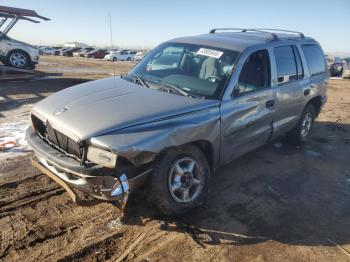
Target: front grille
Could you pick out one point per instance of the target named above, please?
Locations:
(55, 137)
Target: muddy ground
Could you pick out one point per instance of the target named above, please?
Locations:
(277, 203)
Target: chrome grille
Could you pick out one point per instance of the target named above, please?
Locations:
(55, 137)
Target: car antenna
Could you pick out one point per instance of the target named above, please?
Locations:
(111, 35)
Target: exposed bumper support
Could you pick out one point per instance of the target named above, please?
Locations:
(96, 181)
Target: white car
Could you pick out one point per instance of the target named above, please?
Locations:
(120, 55)
(139, 55)
(47, 50)
(18, 54)
(13, 52)
(346, 73)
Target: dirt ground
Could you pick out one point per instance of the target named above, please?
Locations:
(277, 203)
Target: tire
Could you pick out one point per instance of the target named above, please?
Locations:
(301, 132)
(114, 59)
(128, 59)
(18, 59)
(165, 178)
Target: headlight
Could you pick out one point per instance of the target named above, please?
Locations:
(101, 157)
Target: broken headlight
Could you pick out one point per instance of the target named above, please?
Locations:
(101, 157)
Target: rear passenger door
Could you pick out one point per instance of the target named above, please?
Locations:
(246, 114)
(289, 89)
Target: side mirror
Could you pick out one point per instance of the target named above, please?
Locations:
(236, 91)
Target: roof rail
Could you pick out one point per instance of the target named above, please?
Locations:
(261, 30)
(283, 31)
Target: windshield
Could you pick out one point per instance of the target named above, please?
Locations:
(198, 70)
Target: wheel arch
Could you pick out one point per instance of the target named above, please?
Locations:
(317, 103)
(204, 146)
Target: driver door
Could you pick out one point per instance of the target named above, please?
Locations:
(246, 118)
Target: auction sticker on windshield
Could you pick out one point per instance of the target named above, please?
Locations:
(209, 52)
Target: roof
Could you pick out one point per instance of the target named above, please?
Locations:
(237, 41)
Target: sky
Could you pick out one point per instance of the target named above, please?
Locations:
(137, 23)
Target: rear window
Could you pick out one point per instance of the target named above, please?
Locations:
(315, 59)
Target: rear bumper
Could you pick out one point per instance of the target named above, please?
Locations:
(93, 180)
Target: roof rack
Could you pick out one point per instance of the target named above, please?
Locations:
(16, 14)
(261, 30)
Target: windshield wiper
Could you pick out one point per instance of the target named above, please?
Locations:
(141, 80)
(177, 89)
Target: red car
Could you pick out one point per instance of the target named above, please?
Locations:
(98, 53)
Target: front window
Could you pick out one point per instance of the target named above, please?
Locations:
(200, 71)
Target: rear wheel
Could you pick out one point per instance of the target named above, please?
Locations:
(115, 59)
(128, 59)
(302, 130)
(179, 180)
(18, 59)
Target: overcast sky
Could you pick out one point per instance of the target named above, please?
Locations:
(147, 23)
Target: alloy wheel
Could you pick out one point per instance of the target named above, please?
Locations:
(185, 180)
(18, 59)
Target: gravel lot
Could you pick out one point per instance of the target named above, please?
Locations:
(277, 203)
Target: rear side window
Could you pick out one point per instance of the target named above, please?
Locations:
(285, 62)
(315, 59)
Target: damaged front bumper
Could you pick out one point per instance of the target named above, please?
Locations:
(92, 180)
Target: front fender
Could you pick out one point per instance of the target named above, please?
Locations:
(140, 144)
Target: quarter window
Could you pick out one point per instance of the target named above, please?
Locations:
(315, 59)
(285, 62)
(255, 73)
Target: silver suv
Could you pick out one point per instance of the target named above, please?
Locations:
(191, 105)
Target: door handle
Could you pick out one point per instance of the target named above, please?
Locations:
(270, 103)
(306, 92)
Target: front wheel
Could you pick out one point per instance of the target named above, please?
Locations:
(179, 180)
(18, 59)
(114, 59)
(301, 132)
(128, 59)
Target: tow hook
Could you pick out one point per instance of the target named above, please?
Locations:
(121, 190)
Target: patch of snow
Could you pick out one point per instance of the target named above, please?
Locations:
(12, 139)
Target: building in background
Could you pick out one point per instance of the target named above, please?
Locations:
(74, 44)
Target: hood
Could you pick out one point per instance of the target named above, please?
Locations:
(99, 107)
(20, 42)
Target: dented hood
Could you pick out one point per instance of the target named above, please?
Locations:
(99, 107)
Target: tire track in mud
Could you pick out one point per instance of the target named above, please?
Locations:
(27, 191)
(53, 230)
(36, 213)
(12, 206)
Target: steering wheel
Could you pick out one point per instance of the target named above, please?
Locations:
(214, 79)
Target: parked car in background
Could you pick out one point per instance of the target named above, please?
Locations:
(168, 128)
(139, 55)
(63, 50)
(46, 50)
(97, 54)
(58, 51)
(83, 51)
(18, 54)
(123, 55)
(13, 52)
(346, 71)
(337, 68)
(70, 52)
